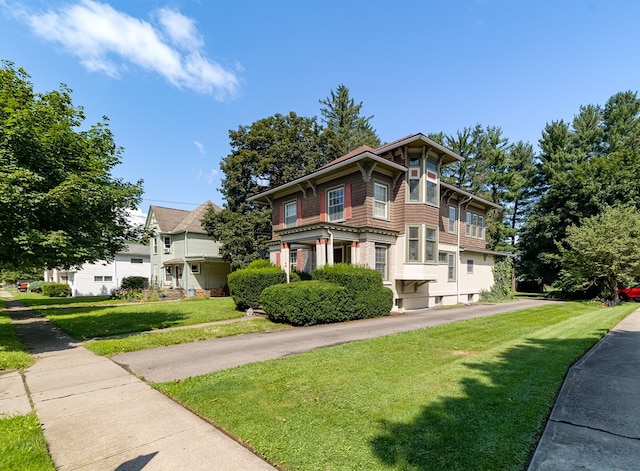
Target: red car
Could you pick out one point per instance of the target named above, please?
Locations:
(23, 286)
(629, 293)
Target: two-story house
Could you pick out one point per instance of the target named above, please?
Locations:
(102, 277)
(386, 208)
(183, 256)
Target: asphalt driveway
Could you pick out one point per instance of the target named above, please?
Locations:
(197, 358)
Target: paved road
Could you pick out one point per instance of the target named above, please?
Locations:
(193, 359)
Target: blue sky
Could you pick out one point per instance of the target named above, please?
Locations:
(175, 76)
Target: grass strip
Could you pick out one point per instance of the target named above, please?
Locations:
(102, 321)
(468, 395)
(13, 354)
(22, 444)
(134, 343)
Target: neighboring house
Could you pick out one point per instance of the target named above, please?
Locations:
(386, 208)
(183, 256)
(100, 278)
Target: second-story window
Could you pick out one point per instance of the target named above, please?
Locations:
(432, 182)
(380, 201)
(452, 219)
(154, 244)
(290, 214)
(413, 244)
(167, 244)
(335, 204)
(474, 225)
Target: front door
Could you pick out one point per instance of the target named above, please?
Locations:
(177, 279)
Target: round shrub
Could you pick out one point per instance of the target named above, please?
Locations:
(137, 283)
(260, 263)
(56, 290)
(306, 303)
(246, 285)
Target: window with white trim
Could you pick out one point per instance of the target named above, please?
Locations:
(290, 214)
(432, 182)
(451, 268)
(413, 244)
(452, 219)
(442, 257)
(474, 225)
(381, 260)
(469, 266)
(293, 260)
(137, 260)
(154, 245)
(415, 172)
(380, 200)
(335, 204)
(195, 268)
(167, 244)
(431, 244)
(103, 278)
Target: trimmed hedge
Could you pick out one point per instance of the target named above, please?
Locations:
(137, 283)
(355, 278)
(260, 263)
(306, 303)
(370, 298)
(246, 285)
(56, 290)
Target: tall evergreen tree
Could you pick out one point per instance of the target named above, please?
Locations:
(341, 117)
(269, 153)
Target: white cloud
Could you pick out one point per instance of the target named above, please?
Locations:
(200, 146)
(209, 176)
(107, 40)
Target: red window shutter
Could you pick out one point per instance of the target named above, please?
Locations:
(281, 215)
(323, 206)
(298, 212)
(299, 260)
(278, 258)
(347, 201)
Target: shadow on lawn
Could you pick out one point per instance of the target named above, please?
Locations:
(515, 395)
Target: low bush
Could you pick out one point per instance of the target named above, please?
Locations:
(56, 290)
(369, 296)
(246, 285)
(355, 278)
(134, 282)
(306, 303)
(36, 286)
(260, 263)
(376, 302)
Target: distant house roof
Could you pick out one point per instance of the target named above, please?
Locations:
(174, 221)
(135, 249)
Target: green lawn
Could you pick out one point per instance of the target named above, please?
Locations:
(101, 321)
(160, 339)
(22, 445)
(468, 395)
(38, 301)
(13, 354)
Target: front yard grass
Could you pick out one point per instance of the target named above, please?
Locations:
(134, 343)
(89, 322)
(13, 354)
(469, 395)
(22, 444)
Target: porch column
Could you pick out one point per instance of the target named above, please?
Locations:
(321, 253)
(285, 258)
(354, 252)
(330, 251)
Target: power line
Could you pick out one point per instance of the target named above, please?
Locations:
(172, 202)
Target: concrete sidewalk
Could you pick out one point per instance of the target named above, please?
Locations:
(595, 423)
(97, 416)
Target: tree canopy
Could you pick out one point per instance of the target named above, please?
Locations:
(60, 206)
(341, 116)
(601, 251)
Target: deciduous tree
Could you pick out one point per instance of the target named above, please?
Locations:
(59, 204)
